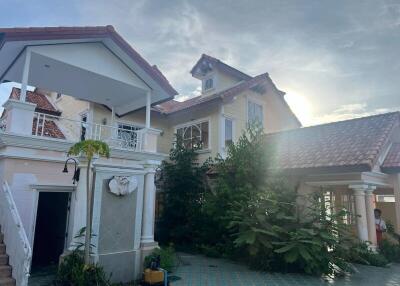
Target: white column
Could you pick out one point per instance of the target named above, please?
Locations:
(112, 116)
(396, 192)
(149, 200)
(361, 212)
(369, 203)
(25, 74)
(148, 108)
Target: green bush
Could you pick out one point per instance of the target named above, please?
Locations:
(167, 258)
(361, 253)
(184, 185)
(73, 271)
(390, 250)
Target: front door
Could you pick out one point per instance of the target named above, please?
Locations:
(50, 230)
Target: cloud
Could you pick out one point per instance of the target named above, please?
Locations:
(334, 53)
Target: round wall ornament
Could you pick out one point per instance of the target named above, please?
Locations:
(122, 185)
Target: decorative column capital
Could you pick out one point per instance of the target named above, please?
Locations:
(364, 188)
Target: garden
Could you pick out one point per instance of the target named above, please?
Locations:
(238, 208)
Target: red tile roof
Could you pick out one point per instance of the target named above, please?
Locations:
(50, 129)
(174, 106)
(392, 160)
(54, 33)
(346, 145)
(43, 105)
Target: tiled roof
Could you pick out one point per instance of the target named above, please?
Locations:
(43, 105)
(50, 129)
(174, 106)
(352, 144)
(392, 160)
(55, 33)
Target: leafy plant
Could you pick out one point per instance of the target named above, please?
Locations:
(74, 271)
(184, 189)
(167, 258)
(89, 148)
(361, 253)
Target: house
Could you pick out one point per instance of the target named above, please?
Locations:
(229, 101)
(41, 207)
(355, 162)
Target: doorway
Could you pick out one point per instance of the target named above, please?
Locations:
(51, 228)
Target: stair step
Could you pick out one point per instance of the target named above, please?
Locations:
(7, 281)
(5, 271)
(2, 248)
(3, 259)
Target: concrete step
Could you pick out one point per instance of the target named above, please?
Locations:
(5, 271)
(7, 282)
(2, 248)
(3, 259)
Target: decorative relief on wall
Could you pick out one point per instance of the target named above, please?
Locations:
(121, 186)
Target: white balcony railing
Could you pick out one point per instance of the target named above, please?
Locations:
(45, 125)
(18, 247)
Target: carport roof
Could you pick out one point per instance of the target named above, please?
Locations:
(351, 145)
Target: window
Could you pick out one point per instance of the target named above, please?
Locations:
(255, 113)
(83, 126)
(209, 84)
(195, 135)
(228, 132)
(127, 135)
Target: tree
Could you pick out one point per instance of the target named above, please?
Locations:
(184, 184)
(89, 148)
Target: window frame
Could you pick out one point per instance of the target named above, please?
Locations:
(257, 102)
(204, 81)
(225, 118)
(194, 122)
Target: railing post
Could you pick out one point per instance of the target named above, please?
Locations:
(19, 116)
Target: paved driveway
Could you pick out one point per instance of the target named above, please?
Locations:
(195, 270)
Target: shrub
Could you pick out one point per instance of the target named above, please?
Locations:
(167, 258)
(184, 188)
(391, 251)
(361, 253)
(73, 271)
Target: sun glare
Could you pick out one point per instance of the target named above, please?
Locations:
(301, 107)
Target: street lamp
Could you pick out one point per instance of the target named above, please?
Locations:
(77, 170)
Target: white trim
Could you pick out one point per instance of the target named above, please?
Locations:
(194, 122)
(53, 188)
(258, 102)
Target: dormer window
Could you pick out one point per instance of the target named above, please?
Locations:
(208, 84)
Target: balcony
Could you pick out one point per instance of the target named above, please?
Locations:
(56, 127)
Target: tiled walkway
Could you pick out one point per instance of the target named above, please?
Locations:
(199, 270)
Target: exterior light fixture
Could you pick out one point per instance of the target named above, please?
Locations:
(77, 171)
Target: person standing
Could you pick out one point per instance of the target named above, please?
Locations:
(380, 225)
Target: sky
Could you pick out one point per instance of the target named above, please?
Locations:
(334, 59)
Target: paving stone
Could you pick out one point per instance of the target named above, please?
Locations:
(195, 270)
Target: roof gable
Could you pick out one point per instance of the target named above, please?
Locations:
(105, 34)
(207, 63)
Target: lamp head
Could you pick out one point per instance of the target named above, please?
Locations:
(65, 168)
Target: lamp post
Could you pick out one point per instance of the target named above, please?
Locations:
(77, 172)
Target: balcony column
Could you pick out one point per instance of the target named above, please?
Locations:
(369, 203)
(149, 200)
(148, 108)
(19, 113)
(361, 212)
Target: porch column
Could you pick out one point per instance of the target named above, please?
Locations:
(396, 192)
(369, 202)
(19, 113)
(148, 108)
(149, 200)
(25, 74)
(361, 212)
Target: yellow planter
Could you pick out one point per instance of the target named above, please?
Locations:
(153, 276)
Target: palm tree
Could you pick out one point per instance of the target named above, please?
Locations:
(89, 148)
